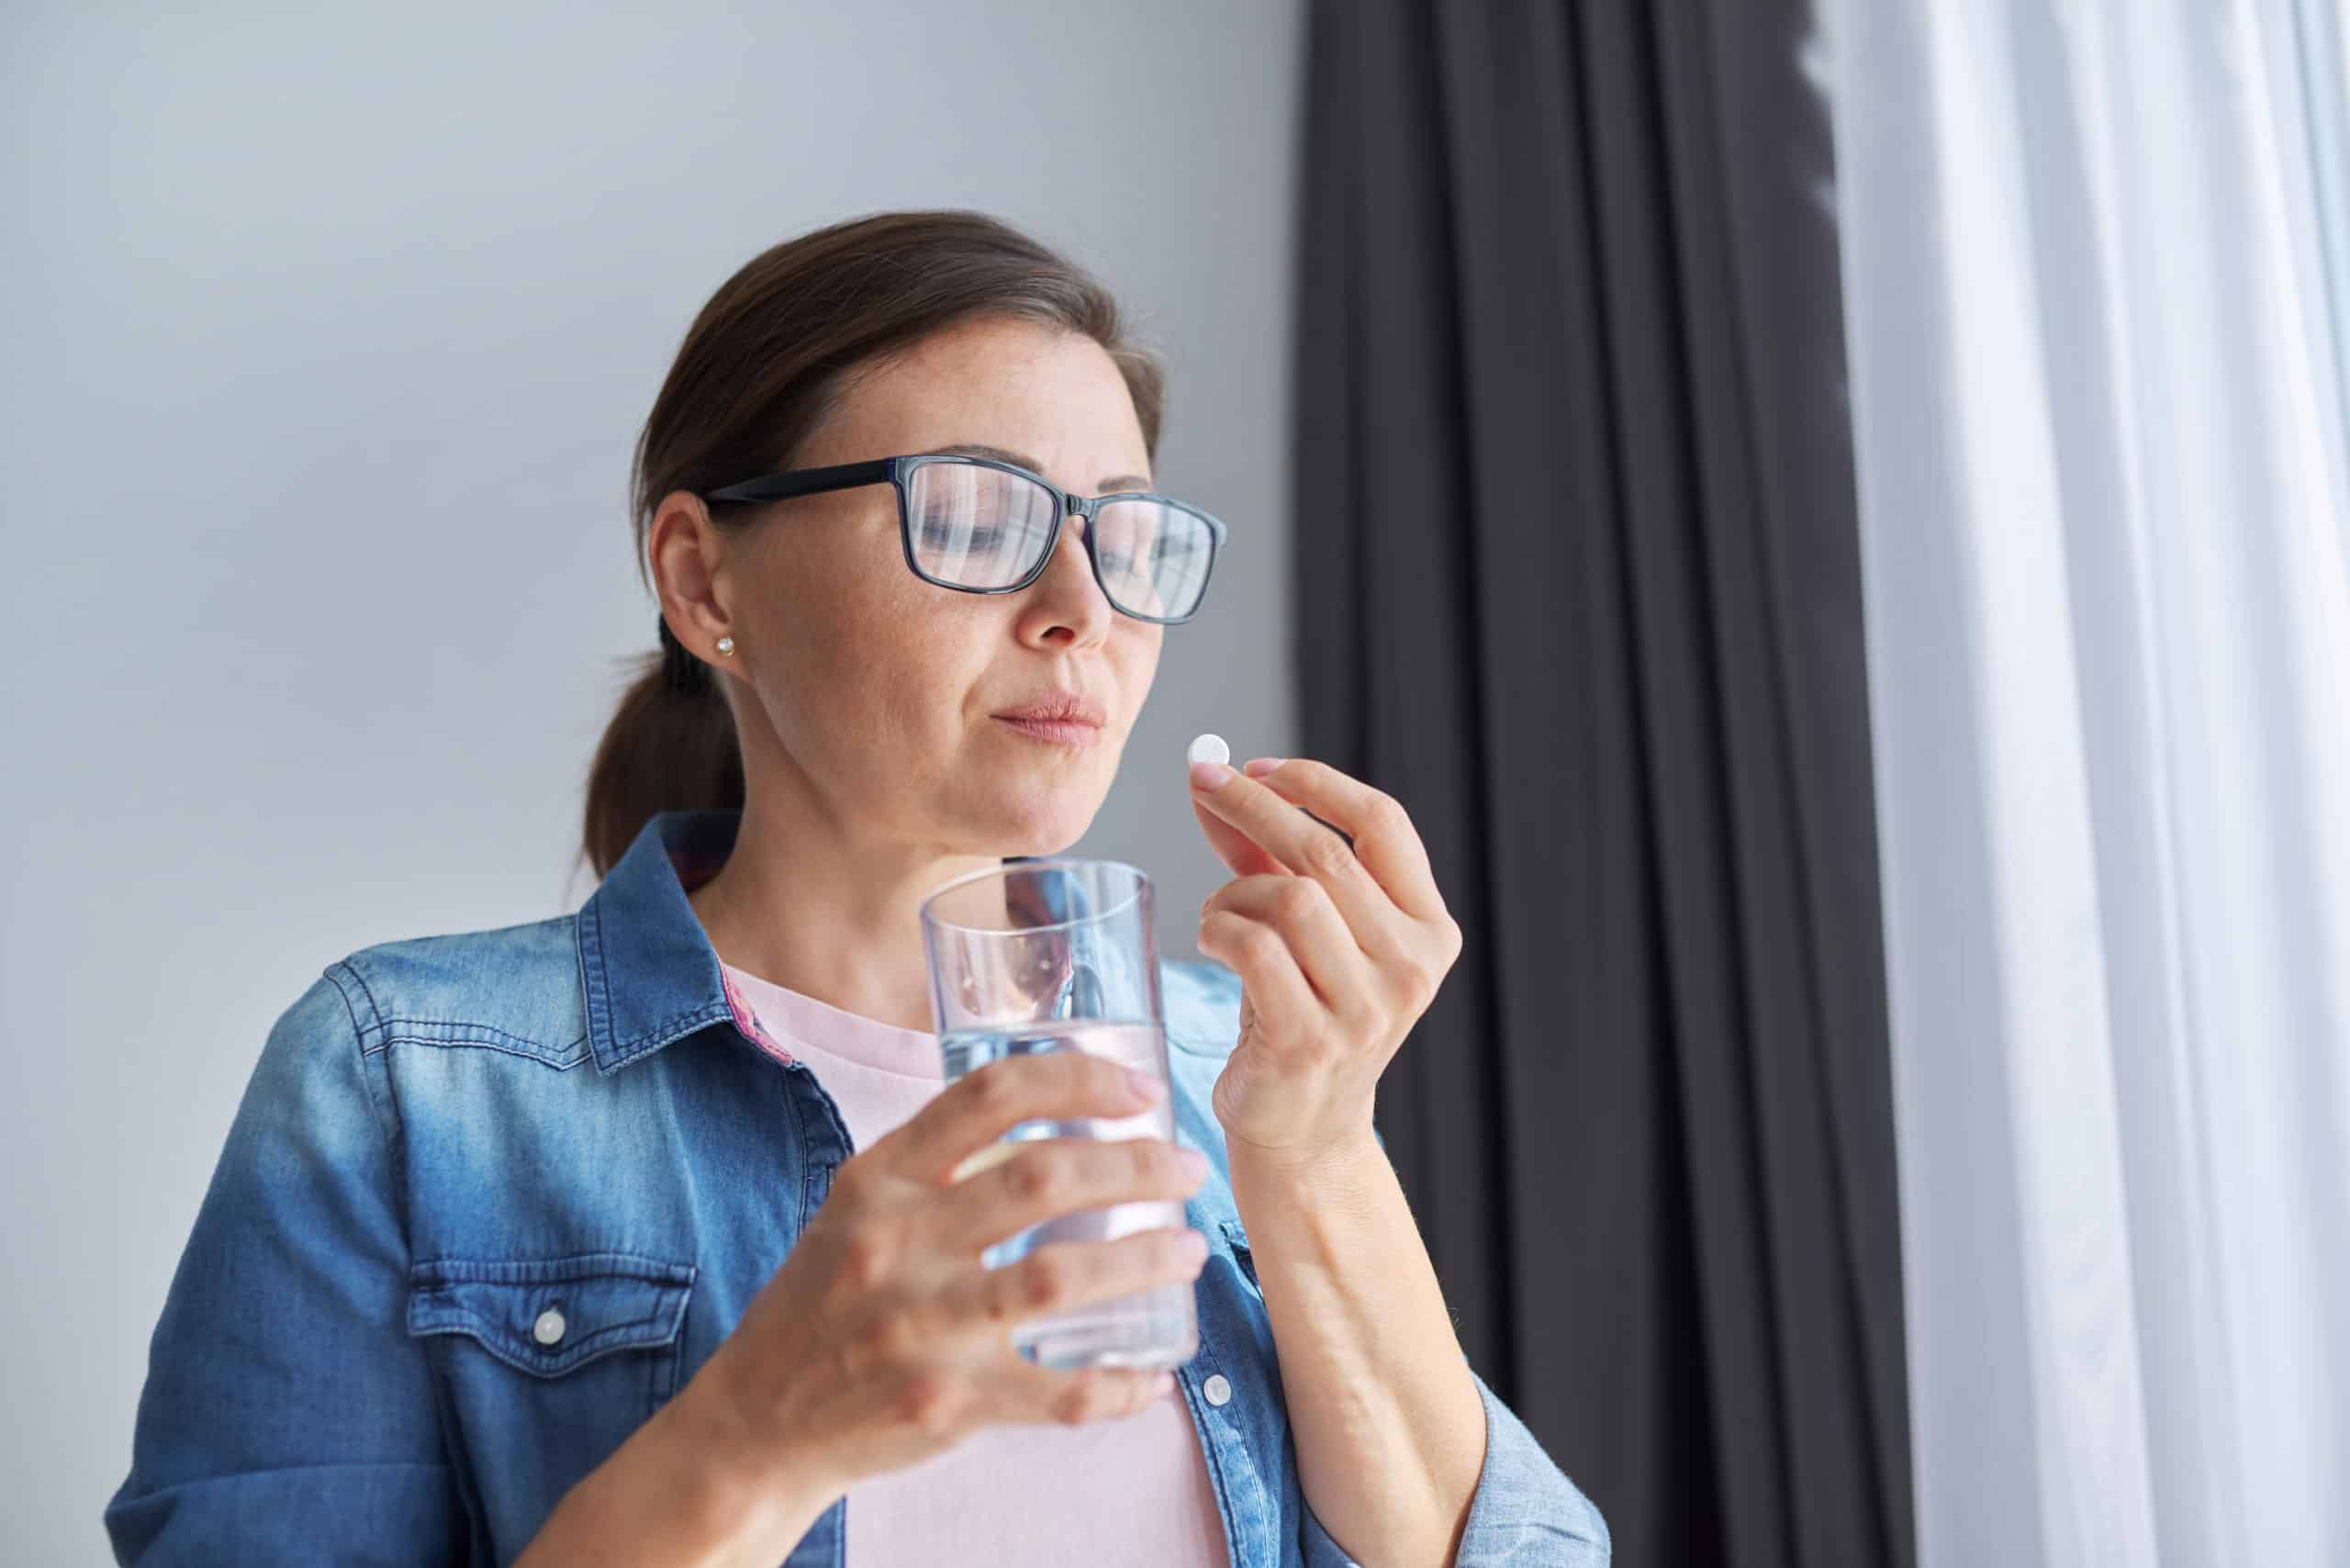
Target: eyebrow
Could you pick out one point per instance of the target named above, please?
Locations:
(1110, 485)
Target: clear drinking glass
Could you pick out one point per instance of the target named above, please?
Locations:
(1053, 955)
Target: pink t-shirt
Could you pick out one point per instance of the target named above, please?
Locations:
(1129, 1491)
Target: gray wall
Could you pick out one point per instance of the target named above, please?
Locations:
(325, 341)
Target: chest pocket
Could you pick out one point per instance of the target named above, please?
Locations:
(548, 1364)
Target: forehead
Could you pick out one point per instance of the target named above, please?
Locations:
(1046, 398)
(1102, 486)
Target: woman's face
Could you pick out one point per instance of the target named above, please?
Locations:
(881, 690)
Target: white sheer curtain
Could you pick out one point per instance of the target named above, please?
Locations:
(2098, 386)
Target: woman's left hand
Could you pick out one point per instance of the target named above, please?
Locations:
(1340, 950)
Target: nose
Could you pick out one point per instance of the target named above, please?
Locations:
(1066, 592)
(1069, 551)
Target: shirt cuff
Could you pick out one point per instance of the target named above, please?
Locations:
(1525, 1514)
(1526, 1511)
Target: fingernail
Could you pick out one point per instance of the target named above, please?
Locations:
(1163, 1384)
(1193, 1161)
(1264, 765)
(1195, 1246)
(1209, 775)
(1149, 1086)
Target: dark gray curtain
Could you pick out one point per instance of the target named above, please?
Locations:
(1577, 580)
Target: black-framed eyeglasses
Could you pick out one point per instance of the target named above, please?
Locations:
(978, 525)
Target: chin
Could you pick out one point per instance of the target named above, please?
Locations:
(1046, 824)
(1035, 844)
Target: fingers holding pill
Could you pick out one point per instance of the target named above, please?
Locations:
(1211, 765)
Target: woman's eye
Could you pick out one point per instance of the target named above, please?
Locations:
(940, 532)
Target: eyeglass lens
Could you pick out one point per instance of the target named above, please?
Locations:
(983, 528)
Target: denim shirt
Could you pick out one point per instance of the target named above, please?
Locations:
(490, 1198)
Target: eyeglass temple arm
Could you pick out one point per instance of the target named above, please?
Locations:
(809, 481)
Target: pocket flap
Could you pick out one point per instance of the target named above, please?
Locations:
(547, 1315)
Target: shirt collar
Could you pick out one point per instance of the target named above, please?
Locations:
(646, 966)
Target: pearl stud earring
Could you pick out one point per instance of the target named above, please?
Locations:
(726, 645)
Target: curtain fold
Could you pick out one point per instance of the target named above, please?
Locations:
(2100, 450)
(1578, 581)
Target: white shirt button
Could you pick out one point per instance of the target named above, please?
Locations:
(1219, 1388)
(550, 1327)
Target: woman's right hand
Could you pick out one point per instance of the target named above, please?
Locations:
(883, 1339)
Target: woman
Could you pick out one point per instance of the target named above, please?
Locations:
(627, 1236)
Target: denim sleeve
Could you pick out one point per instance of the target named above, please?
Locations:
(287, 1416)
(1525, 1512)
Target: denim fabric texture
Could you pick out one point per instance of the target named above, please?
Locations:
(490, 1198)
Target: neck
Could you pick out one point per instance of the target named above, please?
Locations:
(811, 906)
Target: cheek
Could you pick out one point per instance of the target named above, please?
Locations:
(922, 669)
(867, 661)
(1138, 667)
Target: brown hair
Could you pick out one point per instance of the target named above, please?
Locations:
(764, 364)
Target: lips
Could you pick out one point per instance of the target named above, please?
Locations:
(1061, 732)
(1056, 707)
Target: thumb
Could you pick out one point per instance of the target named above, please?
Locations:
(1235, 848)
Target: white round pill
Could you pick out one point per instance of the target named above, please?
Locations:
(1210, 748)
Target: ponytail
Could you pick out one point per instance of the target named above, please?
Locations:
(671, 747)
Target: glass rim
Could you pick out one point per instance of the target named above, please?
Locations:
(915, 463)
(1050, 862)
